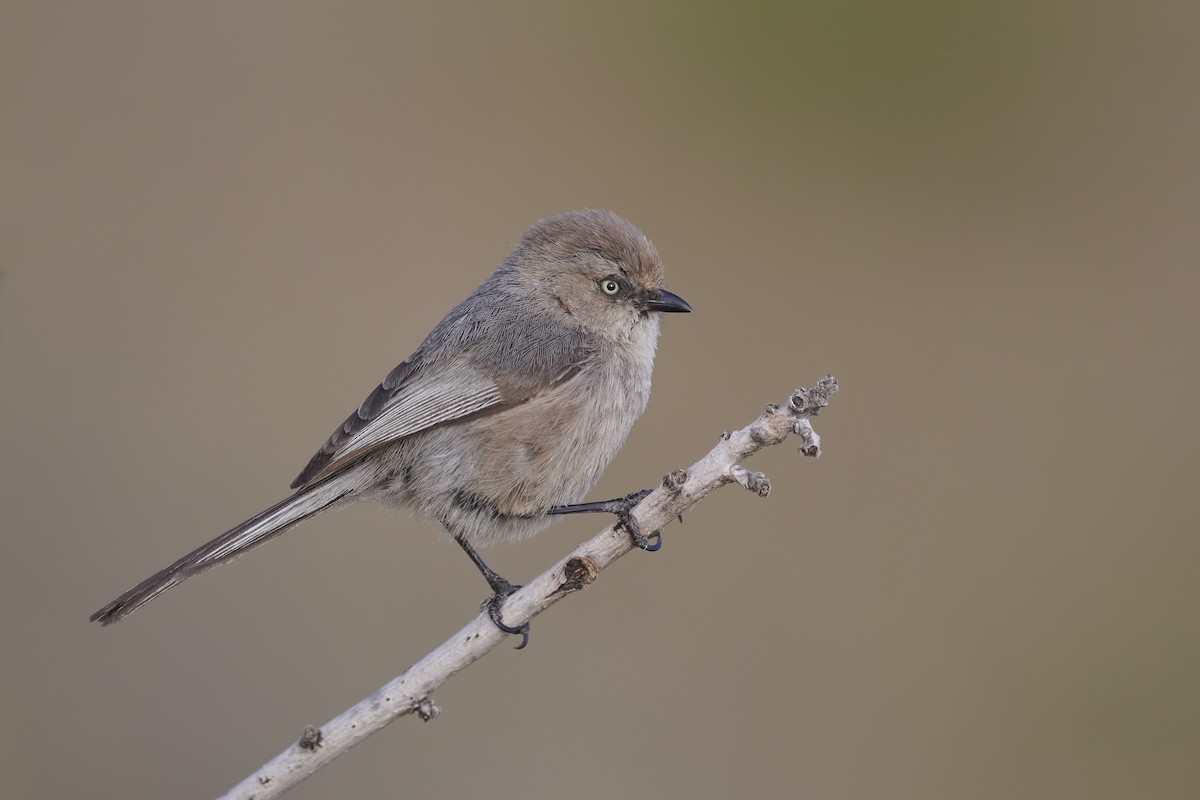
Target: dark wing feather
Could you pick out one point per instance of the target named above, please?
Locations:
(408, 400)
(376, 401)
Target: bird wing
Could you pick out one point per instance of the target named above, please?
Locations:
(482, 357)
(408, 400)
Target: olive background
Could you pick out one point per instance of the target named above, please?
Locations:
(222, 223)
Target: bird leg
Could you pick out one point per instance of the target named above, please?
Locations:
(501, 589)
(623, 508)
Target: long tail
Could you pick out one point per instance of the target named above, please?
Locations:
(228, 546)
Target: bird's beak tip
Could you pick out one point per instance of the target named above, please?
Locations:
(669, 302)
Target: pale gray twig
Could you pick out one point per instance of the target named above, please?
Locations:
(412, 691)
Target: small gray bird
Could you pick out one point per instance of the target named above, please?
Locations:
(505, 415)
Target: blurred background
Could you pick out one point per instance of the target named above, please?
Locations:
(222, 224)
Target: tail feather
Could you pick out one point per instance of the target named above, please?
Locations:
(228, 546)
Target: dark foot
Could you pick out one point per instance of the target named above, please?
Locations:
(495, 604)
(501, 589)
(623, 508)
(625, 518)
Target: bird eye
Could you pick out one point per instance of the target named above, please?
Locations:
(609, 286)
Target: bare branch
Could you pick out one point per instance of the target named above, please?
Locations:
(412, 691)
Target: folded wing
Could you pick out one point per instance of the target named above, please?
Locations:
(408, 400)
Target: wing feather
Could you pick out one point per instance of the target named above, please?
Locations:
(407, 401)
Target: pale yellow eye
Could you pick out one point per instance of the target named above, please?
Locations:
(609, 286)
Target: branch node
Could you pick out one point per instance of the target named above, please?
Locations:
(810, 401)
(772, 426)
(673, 481)
(578, 574)
(810, 440)
(756, 482)
(427, 709)
(311, 738)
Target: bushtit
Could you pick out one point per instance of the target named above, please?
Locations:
(505, 415)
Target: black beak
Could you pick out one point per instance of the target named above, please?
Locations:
(666, 301)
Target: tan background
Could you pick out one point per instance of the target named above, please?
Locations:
(219, 227)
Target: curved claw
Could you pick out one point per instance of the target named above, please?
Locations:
(493, 608)
(657, 540)
(650, 543)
